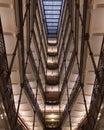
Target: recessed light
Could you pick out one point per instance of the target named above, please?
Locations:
(1, 116)
(52, 119)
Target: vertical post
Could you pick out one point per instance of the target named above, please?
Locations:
(5, 83)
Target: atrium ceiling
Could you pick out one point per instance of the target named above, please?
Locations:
(52, 10)
(51, 64)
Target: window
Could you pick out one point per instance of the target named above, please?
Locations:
(52, 12)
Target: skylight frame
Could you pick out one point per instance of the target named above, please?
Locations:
(52, 11)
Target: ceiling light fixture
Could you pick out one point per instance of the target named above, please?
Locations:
(1, 116)
(52, 119)
(52, 115)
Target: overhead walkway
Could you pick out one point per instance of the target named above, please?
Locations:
(52, 118)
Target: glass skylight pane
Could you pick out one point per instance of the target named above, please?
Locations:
(52, 12)
(49, 28)
(52, 31)
(52, 20)
(52, 3)
(52, 7)
(52, 24)
(52, 16)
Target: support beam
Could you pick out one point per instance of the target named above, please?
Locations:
(32, 61)
(33, 101)
(80, 79)
(72, 60)
(70, 101)
(6, 87)
(38, 52)
(24, 82)
(97, 96)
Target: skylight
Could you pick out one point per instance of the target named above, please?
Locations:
(52, 13)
